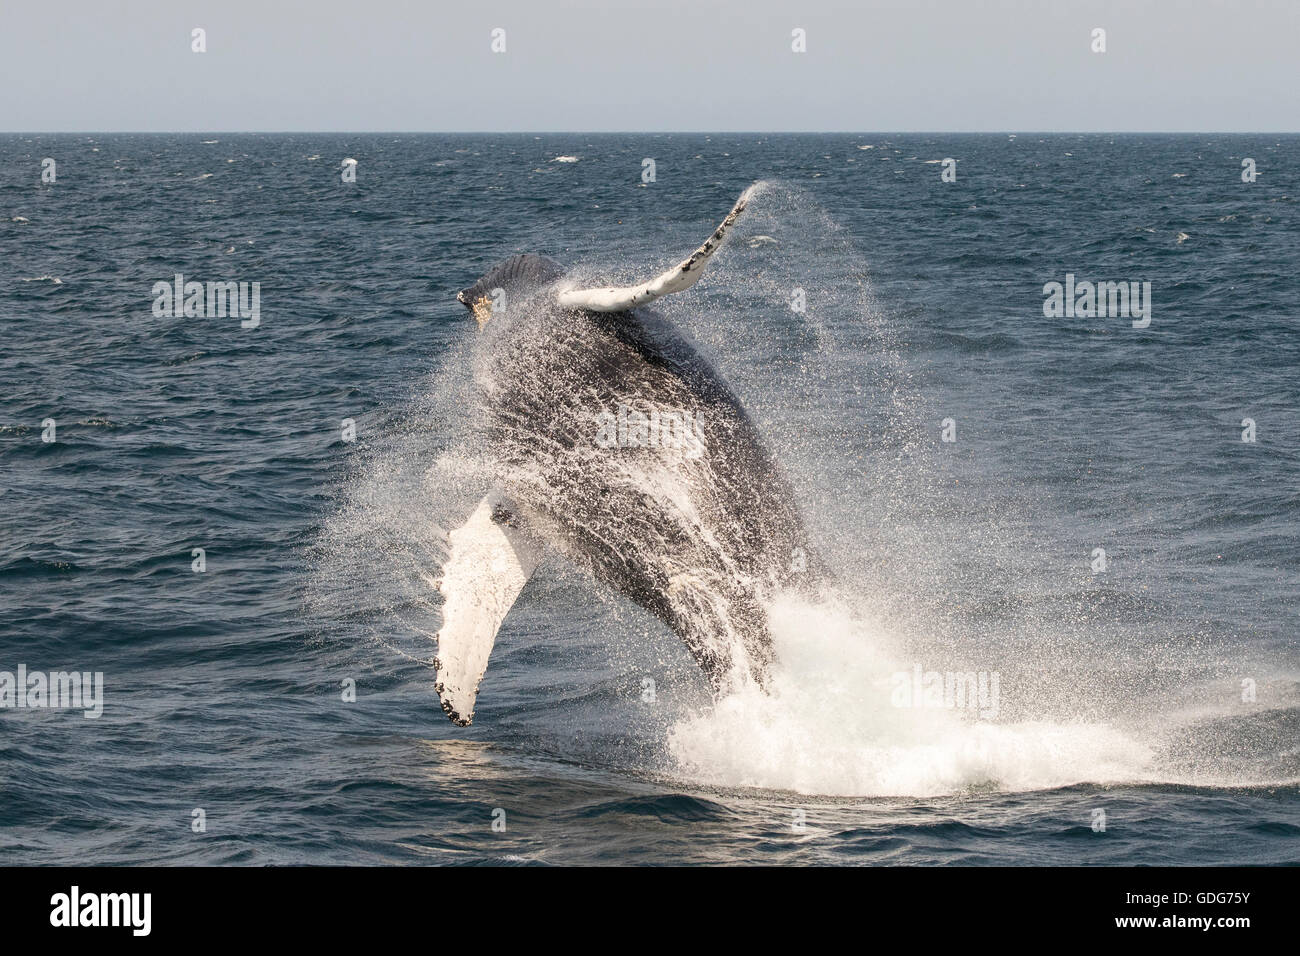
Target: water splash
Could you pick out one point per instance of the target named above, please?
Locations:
(833, 724)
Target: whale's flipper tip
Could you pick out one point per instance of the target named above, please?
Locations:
(451, 711)
(677, 279)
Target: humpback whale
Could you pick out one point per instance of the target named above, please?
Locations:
(618, 446)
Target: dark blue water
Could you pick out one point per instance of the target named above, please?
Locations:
(1161, 691)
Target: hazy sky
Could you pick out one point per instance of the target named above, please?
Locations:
(649, 65)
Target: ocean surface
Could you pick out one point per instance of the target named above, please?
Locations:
(1098, 537)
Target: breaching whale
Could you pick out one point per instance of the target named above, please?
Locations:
(617, 445)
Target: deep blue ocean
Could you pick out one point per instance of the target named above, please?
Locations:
(1114, 531)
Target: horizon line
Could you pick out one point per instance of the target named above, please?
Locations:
(677, 132)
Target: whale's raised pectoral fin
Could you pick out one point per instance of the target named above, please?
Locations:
(677, 279)
(491, 558)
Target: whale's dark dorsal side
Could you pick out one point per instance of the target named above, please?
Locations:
(622, 448)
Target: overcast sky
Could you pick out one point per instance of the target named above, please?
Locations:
(649, 65)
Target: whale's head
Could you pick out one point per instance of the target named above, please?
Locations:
(515, 279)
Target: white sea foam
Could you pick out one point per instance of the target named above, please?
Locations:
(828, 726)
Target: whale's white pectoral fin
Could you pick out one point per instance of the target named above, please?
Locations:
(676, 279)
(490, 560)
